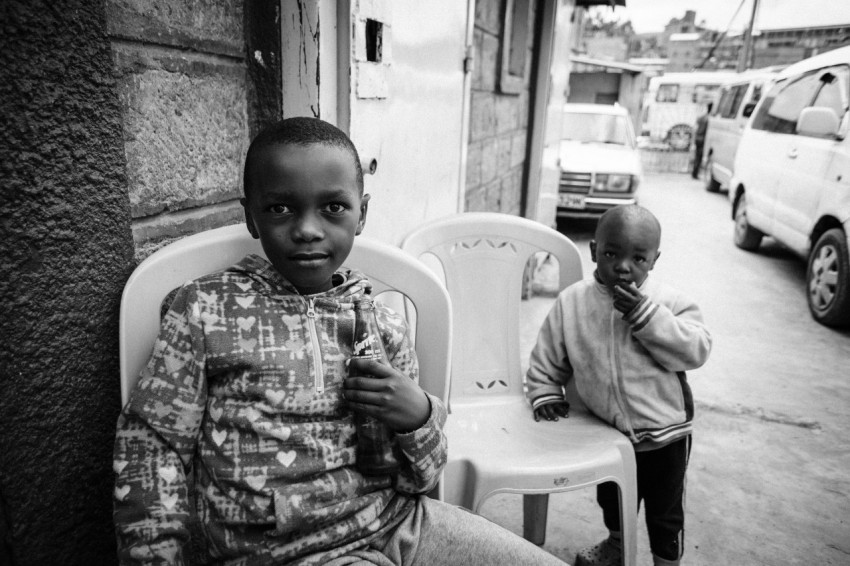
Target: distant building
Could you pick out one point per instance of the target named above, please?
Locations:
(683, 51)
(688, 46)
(789, 45)
(685, 45)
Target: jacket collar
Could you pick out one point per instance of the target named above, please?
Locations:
(348, 283)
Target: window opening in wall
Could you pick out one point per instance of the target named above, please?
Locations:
(515, 33)
(518, 38)
(374, 40)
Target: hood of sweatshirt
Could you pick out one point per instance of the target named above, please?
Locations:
(348, 283)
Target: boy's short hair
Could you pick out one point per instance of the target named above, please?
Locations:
(301, 131)
(628, 212)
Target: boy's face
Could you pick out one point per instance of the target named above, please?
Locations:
(306, 208)
(625, 252)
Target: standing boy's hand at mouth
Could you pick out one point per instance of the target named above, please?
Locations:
(626, 296)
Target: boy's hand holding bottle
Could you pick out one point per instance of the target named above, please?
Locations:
(380, 391)
(384, 400)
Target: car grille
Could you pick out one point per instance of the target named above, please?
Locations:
(575, 182)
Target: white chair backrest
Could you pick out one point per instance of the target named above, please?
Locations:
(387, 267)
(483, 256)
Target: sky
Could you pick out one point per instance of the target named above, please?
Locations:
(651, 15)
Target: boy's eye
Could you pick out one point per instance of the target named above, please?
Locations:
(336, 208)
(279, 208)
(640, 259)
(610, 254)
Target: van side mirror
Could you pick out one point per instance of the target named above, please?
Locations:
(819, 122)
(748, 109)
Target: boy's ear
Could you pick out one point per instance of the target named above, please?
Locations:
(657, 255)
(364, 208)
(249, 220)
(593, 250)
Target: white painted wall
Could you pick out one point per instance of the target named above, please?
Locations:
(407, 112)
(559, 76)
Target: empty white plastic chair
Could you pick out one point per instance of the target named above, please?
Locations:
(495, 446)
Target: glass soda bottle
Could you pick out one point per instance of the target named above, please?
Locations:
(374, 440)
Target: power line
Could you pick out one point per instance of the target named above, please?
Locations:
(722, 36)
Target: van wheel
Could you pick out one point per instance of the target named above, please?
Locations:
(679, 137)
(828, 279)
(746, 237)
(712, 185)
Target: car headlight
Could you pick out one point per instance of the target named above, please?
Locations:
(610, 183)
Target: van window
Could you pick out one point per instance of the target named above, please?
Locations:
(783, 104)
(731, 101)
(833, 92)
(667, 93)
(723, 104)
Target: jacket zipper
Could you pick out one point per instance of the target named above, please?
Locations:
(618, 380)
(319, 378)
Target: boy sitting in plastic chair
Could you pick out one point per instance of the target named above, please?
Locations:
(249, 393)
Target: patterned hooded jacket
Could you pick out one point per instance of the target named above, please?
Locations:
(237, 430)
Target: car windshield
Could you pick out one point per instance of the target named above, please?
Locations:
(595, 128)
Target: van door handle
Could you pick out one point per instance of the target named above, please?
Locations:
(792, 153)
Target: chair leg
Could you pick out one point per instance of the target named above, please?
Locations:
(628, 526)
(535, 508)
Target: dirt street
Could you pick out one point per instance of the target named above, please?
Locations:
(769, 475)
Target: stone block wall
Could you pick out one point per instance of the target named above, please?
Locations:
(185, 88)
(497, 148)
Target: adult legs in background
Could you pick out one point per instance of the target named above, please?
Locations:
(697, 159)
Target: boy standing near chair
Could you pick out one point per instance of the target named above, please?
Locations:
(627, 340)
(240, 428)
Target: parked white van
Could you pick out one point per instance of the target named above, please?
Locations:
(674, 101)
(735, 104)
(792, 177)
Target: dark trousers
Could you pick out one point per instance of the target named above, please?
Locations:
(661, 486)
(698, 145)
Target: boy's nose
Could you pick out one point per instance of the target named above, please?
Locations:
(308, 228)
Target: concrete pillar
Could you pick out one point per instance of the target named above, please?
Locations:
(66, 249)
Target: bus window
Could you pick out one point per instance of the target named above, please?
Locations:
(667, 93)
(703, 94)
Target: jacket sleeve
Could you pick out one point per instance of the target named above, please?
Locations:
(549, 368)
(424, 449)
(155, 440)
(674, 336)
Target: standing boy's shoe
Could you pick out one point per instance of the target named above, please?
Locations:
(609, 552)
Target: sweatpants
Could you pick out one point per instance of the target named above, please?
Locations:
(661, 486)
(439, 534)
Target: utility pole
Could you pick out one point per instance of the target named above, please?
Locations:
(744, 57)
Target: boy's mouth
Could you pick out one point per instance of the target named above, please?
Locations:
(309, 258)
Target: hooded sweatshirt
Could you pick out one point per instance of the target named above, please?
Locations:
(629, 369)
(237, 431)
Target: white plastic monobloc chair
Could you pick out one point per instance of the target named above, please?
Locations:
(495, 446)
(388, 268)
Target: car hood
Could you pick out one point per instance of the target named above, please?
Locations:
(599, 158)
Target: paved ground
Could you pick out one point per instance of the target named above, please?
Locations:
(770, 471)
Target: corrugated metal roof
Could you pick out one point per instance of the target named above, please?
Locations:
(685, 36)
(590, 61)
